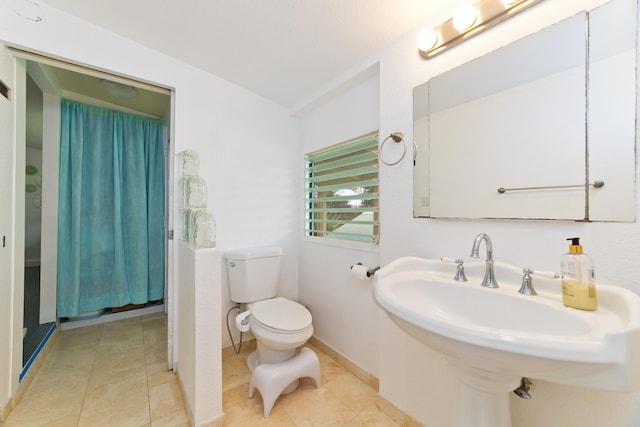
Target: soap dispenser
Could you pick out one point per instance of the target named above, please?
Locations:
(578, 277)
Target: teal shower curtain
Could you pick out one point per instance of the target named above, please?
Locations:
(111, 210)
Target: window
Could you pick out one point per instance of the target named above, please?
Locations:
(342, 190)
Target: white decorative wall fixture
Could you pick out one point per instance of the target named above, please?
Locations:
(198, 224)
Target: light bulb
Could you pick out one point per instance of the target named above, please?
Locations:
(464, 17)
(508, 2)
(427, 39)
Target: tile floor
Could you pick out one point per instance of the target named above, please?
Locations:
(342, 399)
(115, 374)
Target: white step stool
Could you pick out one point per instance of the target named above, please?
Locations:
(272, 378)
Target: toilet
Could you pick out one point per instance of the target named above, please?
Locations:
(279, 325)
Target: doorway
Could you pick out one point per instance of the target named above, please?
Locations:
(34, 331)
(51, 81)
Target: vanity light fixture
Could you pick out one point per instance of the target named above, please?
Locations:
(468, 20)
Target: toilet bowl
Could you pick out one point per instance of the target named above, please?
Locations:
(279, 325)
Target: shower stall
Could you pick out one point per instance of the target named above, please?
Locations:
(48, 296)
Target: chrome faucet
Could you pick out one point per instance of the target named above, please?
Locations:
(489, 280)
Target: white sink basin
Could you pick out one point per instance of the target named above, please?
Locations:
(493, 337)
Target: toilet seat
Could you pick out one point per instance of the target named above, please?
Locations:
(281, 315)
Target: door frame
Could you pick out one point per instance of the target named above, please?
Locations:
(19, 56)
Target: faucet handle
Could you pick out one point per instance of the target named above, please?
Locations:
(527, 283)
(460, 276)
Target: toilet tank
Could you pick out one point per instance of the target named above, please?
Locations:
(253, 273)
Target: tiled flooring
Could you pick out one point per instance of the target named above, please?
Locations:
(116, 375)
(113, 374)
(342, 399)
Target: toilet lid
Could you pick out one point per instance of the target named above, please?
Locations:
(282, 314)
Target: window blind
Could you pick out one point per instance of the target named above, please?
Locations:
(341, 187)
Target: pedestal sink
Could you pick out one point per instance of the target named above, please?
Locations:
(494, 337)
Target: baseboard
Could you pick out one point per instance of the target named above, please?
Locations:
(217, 423)
(36, 364)
(369, 379)
(372, 381)
(392, 411)
(247, 346)
(397, 414)
(28, 377)
(6, 410)
(185, 399)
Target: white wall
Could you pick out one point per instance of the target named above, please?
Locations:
(33, 213)
(200, 361)
(246, 143)
(7, 225)
(415, 378)
(16, 242)
(342, 307)
(50, 169)
(247, 157)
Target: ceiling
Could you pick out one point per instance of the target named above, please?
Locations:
(284, 50)
(89, 89)
(143, 101)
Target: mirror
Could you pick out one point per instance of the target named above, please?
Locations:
(524, 117)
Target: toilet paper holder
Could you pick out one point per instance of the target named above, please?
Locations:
(370, 271)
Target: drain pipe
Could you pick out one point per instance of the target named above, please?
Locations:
(523, 390)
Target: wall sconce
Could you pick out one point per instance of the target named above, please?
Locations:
(468, 20)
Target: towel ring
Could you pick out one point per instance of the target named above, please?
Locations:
(397, 137)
